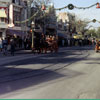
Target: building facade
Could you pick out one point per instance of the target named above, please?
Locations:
(52, 21)
(65, 29)
(17, 13)
(45, 24)
(65, 21)
(15, 10)
(3, 18)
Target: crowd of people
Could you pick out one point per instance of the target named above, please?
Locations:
(74, 42)
(11, 44)
(6, 46)
(42, 43)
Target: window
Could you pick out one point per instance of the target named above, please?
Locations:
(2, 19)
(65, 28)
(59, 26)
(0, 34)
(13, 1)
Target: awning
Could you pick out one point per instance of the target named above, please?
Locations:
(62, 35)
(3, 14)
(78, 36)
(38, 30)
(51, 26)
(15, 32)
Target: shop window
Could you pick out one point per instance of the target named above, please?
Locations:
(13, 1)
(2, 19)
(65, 28)
(0, 34)
(59, 26)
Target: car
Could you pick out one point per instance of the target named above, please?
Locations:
(97, 47)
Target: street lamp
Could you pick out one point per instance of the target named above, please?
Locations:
(29, 2)
(51, 5)
(32, 26)
(43, 9)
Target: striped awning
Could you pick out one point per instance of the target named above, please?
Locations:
(3, 14)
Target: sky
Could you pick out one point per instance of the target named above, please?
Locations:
(92, 13)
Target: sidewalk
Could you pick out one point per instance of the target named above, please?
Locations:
(18, 52)
(20, 55)
(23, 52)
(27, 54)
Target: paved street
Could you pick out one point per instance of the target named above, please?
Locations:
(72, 73)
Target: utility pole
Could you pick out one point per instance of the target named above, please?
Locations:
(43, 9)
(29, 2)
(32, 27)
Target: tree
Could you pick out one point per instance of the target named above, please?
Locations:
(40, 5)
(46, 13)
(92, 33)
(98, 32)
(81, 25)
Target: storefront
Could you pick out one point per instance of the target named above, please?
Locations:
(3, 33)
(3, 23)
(14, 33)
(51, 29)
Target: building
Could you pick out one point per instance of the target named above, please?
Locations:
(10, 12)
(51, 26)
(65, 22)
(3, 18)
(62, 24)
(17, 13)
(45, 24)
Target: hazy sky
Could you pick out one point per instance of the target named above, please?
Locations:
(92, 13)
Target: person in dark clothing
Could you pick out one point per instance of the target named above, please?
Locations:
(37, 44)
(42, 43)
(25, 43)
(20, 42)
(12, 47)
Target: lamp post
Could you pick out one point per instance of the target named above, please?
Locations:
(43, 9)
(29, 2)
(32, 26)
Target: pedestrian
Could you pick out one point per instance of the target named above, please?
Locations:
(63, 42)
(20, 42)
(0, 44)
(25, 42)
(12, 44)
(69, 42)
(4, 44)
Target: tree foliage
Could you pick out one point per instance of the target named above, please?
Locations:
(39, 3)
(44, 15)
(91, 33)
(81, 25)
(98, 32)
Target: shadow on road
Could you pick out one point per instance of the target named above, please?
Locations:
(13, 78)
(61, 57)
(19, 78)
(23, 78)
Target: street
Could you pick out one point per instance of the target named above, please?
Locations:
(72, 73)
(49, 49)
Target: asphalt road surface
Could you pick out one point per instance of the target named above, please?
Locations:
(72, 73)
